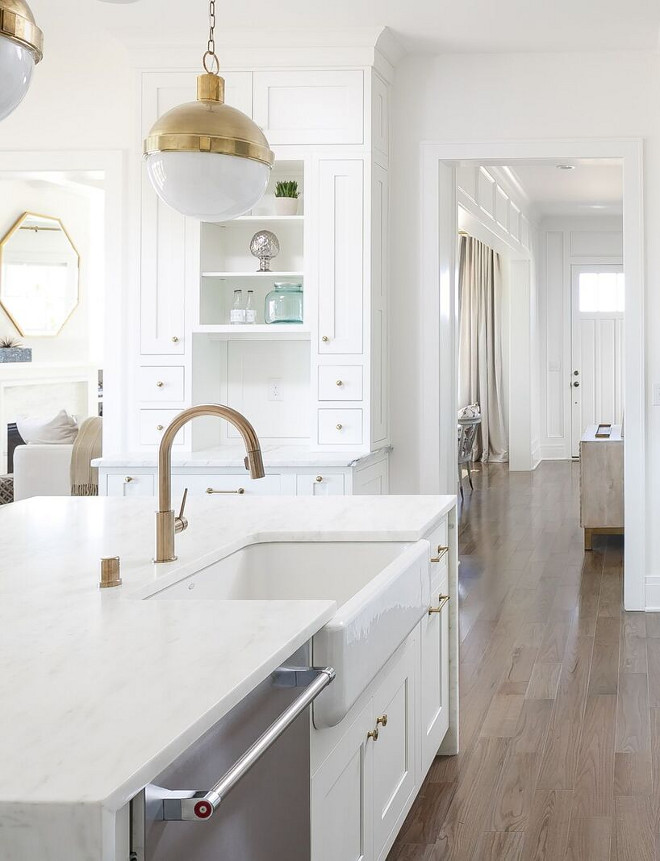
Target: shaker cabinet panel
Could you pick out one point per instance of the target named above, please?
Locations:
(341, 797)
(394, 777)
(310, 107)
(340, 255)
(434, 695)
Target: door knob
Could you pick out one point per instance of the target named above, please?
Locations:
(576, 384)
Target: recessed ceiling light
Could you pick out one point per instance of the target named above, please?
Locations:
(565, 166)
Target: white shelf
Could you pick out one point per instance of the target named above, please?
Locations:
(256, 332)
(254, 274)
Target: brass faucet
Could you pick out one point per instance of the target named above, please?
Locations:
(167, 524)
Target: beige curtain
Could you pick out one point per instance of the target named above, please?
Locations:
(480, 344)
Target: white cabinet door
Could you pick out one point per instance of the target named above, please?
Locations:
(341, 800)
(130, 484)
(340, 255)
(164, 235)
(312, 107)
(320, 484)
(394, 777)
(434, 693)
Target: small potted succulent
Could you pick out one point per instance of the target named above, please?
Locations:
(11, 350)
(286, 197)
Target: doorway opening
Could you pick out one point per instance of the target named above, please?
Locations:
(538, 377)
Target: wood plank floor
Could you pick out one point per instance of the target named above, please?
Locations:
(560, 691)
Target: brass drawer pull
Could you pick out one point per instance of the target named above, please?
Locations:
(339, 427)
(373, 734)
(212, 490)
(443, 601)
(325, 339)
(442, 552)
(160, 384)
(128, 479)
(175, 340)
(339, 383)
(319, 478)
(382, 720)
(159, 427)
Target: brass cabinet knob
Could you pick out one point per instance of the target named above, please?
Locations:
(382, 720)
(319, 478)
(373, 734)
(339, 383)
(325, 339)
(159, 427)
(160, 384)
(175, 340)
(128, 479)
(339, 427)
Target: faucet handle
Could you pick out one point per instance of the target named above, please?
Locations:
(180, 522)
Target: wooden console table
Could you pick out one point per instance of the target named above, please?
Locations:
(601, 483)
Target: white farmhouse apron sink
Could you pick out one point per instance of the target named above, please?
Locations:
(382, 590)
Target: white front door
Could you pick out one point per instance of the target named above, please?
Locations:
(597, 348)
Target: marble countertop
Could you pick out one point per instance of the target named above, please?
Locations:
(232, 456)
(100, 690)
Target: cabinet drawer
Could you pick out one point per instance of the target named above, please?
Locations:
(340, 383)
(154, 422)
(312, 107)
(320, 484)
(228, 484)
(161, 383)
(130, 484)
(340, 427)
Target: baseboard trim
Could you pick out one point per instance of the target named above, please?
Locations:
(554, 452)
(652, 595)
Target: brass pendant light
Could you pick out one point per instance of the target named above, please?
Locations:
(21, 48)
(204, 158)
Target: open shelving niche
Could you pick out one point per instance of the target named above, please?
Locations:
(239, 363)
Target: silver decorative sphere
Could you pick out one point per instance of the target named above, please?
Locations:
(264, 245)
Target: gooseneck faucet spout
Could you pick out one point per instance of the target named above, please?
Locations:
(167, 524)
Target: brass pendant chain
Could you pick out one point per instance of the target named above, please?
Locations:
(210, 60)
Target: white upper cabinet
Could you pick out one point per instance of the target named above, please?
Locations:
(340, 255)
(310, 107)
(165, 232)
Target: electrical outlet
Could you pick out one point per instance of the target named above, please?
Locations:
(656, 394)
(274, 389)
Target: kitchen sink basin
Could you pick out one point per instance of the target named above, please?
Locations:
(382, 590)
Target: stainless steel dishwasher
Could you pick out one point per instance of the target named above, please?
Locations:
(240, 793)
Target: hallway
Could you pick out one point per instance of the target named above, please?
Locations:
(560, 691)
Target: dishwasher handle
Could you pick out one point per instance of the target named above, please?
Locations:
(198, 806)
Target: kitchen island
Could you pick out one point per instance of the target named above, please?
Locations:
(102, 690)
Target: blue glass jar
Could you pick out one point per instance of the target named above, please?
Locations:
(284, 304)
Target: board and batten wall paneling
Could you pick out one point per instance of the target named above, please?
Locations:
(566, 242)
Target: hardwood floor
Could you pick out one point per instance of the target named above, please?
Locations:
(560, 691)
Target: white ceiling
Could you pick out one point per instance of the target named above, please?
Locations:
(422, 25)
(593, 188)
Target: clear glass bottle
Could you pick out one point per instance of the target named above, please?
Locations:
(250, 310)
(237, 313)
(284, 304)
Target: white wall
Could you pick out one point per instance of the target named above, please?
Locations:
(564, 242)
(78, 341)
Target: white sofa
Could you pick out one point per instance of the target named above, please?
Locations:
(42, 470)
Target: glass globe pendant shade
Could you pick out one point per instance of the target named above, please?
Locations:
(206, 159)
(207, 186)
(21, 44)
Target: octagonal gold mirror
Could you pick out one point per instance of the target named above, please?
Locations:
(39, 275)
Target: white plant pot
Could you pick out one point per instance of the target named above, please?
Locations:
(286, 205)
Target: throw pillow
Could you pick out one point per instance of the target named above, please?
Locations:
(61, 430)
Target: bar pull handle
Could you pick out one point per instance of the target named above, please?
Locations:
(443, 600)
(442, 552)
(211, 490)
(187, 805)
